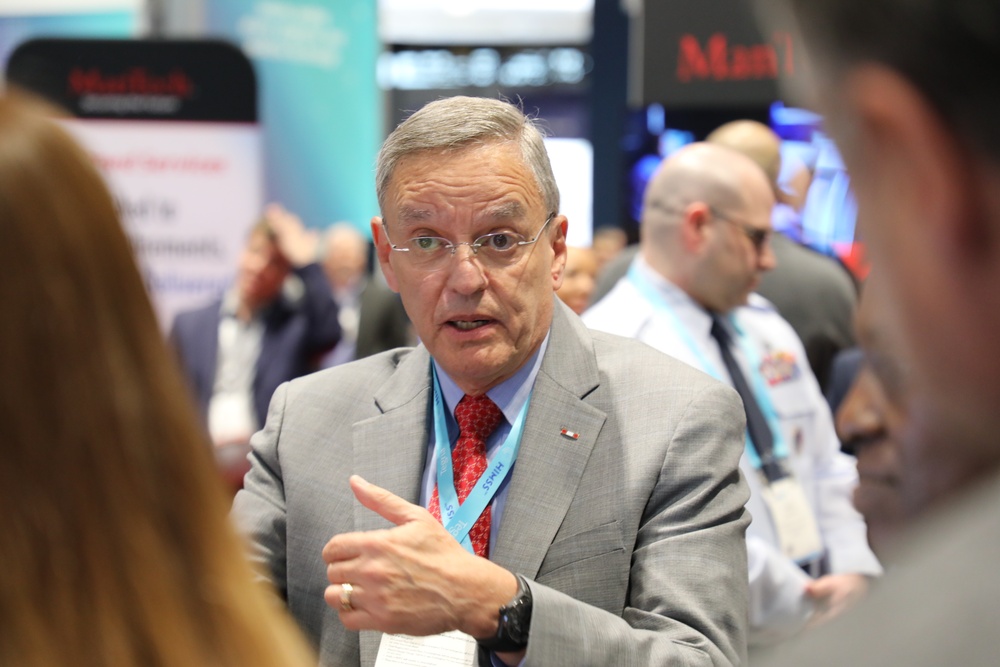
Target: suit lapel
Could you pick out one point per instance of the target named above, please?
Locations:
(390, 448)
(205, 344)
(272, 342)
(550, 464)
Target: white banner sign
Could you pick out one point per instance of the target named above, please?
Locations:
(188, 193)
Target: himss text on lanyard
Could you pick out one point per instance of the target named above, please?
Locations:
(458, 519)
(657, 300)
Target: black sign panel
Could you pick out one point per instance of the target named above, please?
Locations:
(198, 80)
(706, 54)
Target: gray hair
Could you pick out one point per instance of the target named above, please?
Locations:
(458, 122)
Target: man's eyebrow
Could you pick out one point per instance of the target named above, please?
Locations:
(510, 210)
(505, 211)
(410, 215)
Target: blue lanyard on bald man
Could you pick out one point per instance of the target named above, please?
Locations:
(657, 300)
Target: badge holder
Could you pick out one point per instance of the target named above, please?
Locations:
(451, 649)
(794, 522)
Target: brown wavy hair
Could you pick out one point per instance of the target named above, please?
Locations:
(115, 546)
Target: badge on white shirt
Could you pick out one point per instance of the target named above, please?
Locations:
(451, 649)
(793, 519)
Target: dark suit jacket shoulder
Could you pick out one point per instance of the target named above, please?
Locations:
(383, 323)
(298, 327)
(818, 297)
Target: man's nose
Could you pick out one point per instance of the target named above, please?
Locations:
(766, 259)
(466, 273)
(858, 416)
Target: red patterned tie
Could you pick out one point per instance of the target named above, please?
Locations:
(477, 417)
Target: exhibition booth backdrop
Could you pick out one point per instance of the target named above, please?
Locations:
(173, 127)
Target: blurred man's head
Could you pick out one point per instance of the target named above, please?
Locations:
(909, 89)
(262, 268)
(706, 224)
(470, 235)
(608, 242)
(345, 256)
(872, 418)
(579, 278)
(755, 140)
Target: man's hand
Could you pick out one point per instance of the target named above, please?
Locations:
(413, 579)
(835, 594)
(297, 244)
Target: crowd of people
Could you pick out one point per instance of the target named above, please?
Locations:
(476, 451)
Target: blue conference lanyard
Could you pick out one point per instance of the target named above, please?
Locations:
(657, 300)
(459, 519)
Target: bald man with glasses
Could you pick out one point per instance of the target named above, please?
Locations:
(704, 246)
(516, 489)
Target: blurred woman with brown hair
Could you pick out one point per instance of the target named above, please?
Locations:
(116, 548)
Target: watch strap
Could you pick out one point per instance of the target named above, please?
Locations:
(514, 623)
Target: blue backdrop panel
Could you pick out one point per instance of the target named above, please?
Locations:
(319, 102)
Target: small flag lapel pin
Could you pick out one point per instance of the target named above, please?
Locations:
(570, 434)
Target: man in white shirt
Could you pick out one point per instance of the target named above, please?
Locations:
(705, 237)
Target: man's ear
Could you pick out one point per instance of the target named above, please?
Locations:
(382, 251)
(900, 144)
(694, 222)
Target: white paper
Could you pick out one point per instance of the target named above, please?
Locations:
(451, 649)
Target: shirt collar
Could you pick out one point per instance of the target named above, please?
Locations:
(687, 309)
(510, 395)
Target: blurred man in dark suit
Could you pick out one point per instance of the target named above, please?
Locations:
(270, 327)
(372, 317)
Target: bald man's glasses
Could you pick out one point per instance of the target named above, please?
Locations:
(758, 237)
(496, 250)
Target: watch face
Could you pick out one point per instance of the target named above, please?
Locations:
(517, 620)
(514, 625)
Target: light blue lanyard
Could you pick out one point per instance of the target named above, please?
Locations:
(459, 519)
(657, 300)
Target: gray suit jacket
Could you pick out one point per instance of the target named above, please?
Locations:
(632, 535)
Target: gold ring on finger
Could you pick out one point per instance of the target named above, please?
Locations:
(345, 597)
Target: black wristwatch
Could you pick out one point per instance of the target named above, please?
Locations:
(514, 624)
